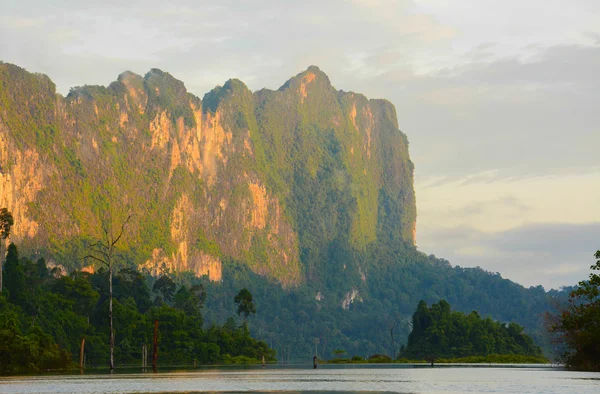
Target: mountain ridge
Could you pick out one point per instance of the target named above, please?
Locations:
(110, 143)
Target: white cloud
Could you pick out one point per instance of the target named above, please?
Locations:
(551, 254)
(490, 203)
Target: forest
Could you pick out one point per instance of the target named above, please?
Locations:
(45, 314)
(378, 319)
(438, 332)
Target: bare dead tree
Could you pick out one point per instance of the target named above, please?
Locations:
(155, 346)
(392, 326)
(103, 252)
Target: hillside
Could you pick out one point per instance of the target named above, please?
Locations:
(304, 195)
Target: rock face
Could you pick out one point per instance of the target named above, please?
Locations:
(279, 180)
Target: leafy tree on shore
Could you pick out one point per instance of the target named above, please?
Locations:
(577, 325)
(439, 332)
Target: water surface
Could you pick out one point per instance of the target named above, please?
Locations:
(338, 379)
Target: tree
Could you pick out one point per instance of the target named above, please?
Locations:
(103, 252)
(439, 332)
(6, 222)
(577, 325)
(15, 276)
(421, 321)
(131, 283)
(245, 304)
(190, 301)
(165, 286)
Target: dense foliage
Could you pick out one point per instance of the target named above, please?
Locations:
(44, 316)
(577, 325)
(439, 332)
(291, 320)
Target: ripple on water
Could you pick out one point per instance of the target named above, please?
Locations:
(300, 380)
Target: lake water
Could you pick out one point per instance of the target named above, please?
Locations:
(339, 379)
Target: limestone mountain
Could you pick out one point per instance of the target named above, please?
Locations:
(304, 195)
(278, 180)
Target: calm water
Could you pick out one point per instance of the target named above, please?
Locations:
(325, 379)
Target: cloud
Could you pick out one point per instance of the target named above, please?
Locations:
(493, 203)
(478, 207)
(551, 254)
(532, 229)
(510, 115)
(191, 36)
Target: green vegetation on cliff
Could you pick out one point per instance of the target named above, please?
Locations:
(279, 180)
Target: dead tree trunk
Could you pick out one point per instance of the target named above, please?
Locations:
(392, 326)
(103, 252)
(144, 356)
(110, 316)
(155, 346)
(1, 264)
(81, 353)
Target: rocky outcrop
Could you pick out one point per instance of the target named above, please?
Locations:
(254, 177)
(22, 176)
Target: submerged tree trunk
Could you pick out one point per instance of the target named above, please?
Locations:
(392, 326)
(81, 353)
(110, 316)
(144, 356)
(155, 346)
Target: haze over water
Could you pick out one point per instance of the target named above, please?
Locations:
(350, 379)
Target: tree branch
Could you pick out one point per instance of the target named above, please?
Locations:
(96, 258)
(104, 254)
(122, 230)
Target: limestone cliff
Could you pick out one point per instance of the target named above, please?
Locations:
(273, 179)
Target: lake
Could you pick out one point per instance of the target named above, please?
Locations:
(301, 379)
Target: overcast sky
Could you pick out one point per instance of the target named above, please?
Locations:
(500, 99)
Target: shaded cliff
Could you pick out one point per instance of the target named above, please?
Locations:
(277, 180)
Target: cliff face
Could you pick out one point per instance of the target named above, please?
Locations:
(278, 180)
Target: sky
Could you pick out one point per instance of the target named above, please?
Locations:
(499, 99)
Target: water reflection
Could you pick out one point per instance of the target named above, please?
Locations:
(338, 379)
